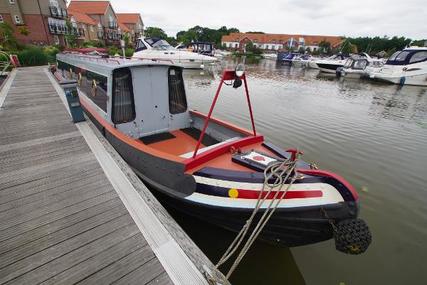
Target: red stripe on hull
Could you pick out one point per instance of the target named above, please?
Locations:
(249, 194)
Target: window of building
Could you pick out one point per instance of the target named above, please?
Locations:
(1, 19)
(123, 110)
(17, 19)
(177, 98)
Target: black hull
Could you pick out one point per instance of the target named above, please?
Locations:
(329, 67)
(287, 227)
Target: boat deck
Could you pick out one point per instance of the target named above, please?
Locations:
(67, 217)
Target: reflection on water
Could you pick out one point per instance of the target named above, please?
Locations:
(373, 134)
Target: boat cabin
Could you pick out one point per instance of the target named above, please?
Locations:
(146, 101)
(152, 43)
(408, 56)
(204, 48)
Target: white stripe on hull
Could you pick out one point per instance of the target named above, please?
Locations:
(330, 195)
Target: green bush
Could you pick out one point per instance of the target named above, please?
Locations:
(113, 50)
(33, 56)
(89, 44)
(51, 52)
(129, 52)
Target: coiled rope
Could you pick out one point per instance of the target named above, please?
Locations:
(281, 171)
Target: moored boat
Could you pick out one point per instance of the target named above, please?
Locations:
(359, 66)
(407, 67)
(206, 167)
(158, 49)
(330, 64)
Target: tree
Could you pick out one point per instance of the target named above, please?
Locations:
(7, 38)
(308, 50)
(126, 39)
(325, 47)
(155, 32)
(71, 35)
(301, 50)
(252, 49)
(198, 33)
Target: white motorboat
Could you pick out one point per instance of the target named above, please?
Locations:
(407, 67)
(359, 66)
(158, 49)
(272, 56)
(330, 64)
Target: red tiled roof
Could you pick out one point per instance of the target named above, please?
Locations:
(82, 18)
(128, 18)
(281, 38)
(89, 7)
(123, 27)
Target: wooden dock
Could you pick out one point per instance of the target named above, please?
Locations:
(71, 211)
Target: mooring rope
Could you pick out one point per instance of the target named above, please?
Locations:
(282, 171)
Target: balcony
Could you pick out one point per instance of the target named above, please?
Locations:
(58, 12)
(112, 25)
(58, 29)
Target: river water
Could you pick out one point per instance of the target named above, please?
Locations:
(373, 134)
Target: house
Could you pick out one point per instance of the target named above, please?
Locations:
(37, 22)
(275, 42)
(86, 27)
(103, 14)
(133, 22)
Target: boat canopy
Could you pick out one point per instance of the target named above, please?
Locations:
(408, 56)
(152, 43)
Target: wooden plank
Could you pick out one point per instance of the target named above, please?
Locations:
(53, 238)
(51, 217)
(117, 229)
(22, 238)
(47, 183)
(43, 207)
(109, 265)
(143, 274)
(162, 279)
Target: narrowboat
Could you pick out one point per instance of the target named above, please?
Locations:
(203, 166)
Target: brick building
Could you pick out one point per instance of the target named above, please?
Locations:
(277, 41)
(132, 23)
(37, 22)
(86, 26)
(103, 14)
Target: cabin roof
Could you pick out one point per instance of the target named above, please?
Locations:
(107, 65)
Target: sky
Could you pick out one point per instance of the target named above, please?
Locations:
(316, 17)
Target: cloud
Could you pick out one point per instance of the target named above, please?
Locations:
(327, 17)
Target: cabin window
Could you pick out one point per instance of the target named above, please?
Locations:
(94, 86)
(177, 98)
(418, 57)
(140, 46)
(123, 110)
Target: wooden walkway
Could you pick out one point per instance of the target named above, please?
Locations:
(61, 220)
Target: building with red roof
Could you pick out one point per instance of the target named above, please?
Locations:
(277, 41)
(103, 14)
(133, 22)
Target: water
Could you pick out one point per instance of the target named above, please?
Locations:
(372, 134)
